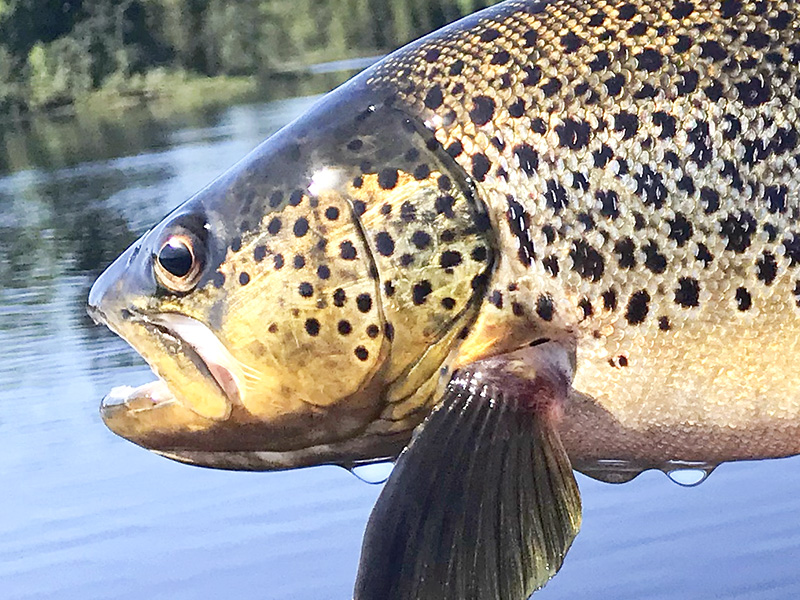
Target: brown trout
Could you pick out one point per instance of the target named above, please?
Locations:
(556, 234)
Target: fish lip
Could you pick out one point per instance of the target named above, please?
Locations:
(174, 328)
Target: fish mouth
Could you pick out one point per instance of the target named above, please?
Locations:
(179, 335)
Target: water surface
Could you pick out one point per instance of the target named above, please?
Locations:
(86, 515)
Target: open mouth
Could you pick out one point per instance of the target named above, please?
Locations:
(180, 335)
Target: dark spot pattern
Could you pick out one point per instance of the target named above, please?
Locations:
(519, 224)
(587, 261)
(638, 307)
(688, 293)
(545, 307)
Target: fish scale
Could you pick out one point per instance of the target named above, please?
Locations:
(639, 162)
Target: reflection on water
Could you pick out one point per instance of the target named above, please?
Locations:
(84, 514)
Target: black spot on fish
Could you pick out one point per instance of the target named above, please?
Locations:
(545, 307)
(408, 212)
(501, 57)
(432, 55)
(332, 213)
(434, 98)
(689, 82)
(552, 87)
(688, 293)
(480, 166)
(638, 307)
(738, 231)
(364, 303)
(312, 327)
(573, 134)
(650, 60)
(450, 259)
(730, 8)
(482, 111)
(680, 229)
(666, 122)
(602, 156)
(420, 292)
(384, 244)
(387, 179)
(533, 75)
(700, 139)
(519, 223)
(489, 35)
(586, 308)
(714, 91)
(609, 203)
(454, 150)
(602, 60)
(517, 109)
(754, 92)
(479, 254)
(637, 29)
(299, 261)
(743, 299)
(655, 261)
(421, 239)
(347, 250)
(361, 353)
(587, 261)
(767, 268)
(323, 272)
(682, 44)
(775, 198)
(625, 249)
(448, 303)
(627, 12)
(609, 300)
(713, 49)
(556, 196)
(301, 227)
(339, 297)
(614, 84)
(571, 42)
(528, 158)
(781, 20)
(244, 278)
(550, 264)
(650, 186)
(628, 123)
(305, 289)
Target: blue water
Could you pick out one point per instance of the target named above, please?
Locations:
(85, 515)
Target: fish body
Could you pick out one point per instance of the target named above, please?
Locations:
(552, 234)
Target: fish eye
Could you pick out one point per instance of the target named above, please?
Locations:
(177, 266)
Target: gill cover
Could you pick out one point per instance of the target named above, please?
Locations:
(299, 309)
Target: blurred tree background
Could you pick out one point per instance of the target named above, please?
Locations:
(55, 52)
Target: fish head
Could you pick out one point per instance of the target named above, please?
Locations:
(301, 308)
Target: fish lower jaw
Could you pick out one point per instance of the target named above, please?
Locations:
(136, 399)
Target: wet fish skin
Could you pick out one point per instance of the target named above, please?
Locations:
(639, 161)
(599, 193)
(335, 288)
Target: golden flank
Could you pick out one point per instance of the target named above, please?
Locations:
(554, 235)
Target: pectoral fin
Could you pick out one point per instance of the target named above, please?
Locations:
(482, 505)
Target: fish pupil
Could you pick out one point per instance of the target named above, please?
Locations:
(176, 258)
